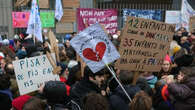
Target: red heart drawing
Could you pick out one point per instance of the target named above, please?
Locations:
(95, 56)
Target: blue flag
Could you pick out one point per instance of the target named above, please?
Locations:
(34, 23)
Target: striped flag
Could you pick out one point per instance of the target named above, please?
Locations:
(34, 23)
(58, 10)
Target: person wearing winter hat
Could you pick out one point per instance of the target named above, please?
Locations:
(166, 68)
(18, 103)
(56, 92)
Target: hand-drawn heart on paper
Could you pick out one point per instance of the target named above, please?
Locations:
(98, 54)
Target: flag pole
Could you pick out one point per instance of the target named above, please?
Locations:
(114, 75)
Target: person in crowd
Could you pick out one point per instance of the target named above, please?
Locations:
(21, 53)
(35, 104)
(9, 69)
(56, 94)
(74, 74)
(91, 82)
(166, 68)
(161, 100)
(185, 43)
(144, 86)
(71, 58)
(118, 99)
(150, 78)
(141, 101)
(94, 101)
(5, 93)
(177, 37)
(18, 103)
(183, 91)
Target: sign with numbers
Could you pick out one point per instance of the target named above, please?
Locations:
(32, 72)
(144, 44)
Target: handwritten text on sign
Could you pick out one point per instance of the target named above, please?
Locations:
(31, 72)
(87, 16)
(144, 44)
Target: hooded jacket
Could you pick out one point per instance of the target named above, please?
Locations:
(184, 94)
(118, 99)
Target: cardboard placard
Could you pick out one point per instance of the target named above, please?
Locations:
(21, 2)
(144, 44)
(69, 15)
(32, 72)
(71, 3)
(64, 27)
(43, 3)
(192, 24)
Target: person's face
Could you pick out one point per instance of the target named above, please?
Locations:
(68, 43)
(166, 66)
(98, 80)
(180, 76)
(179, 33)
(2, 64)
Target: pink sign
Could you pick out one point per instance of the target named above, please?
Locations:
(20, 19)
(87, 17)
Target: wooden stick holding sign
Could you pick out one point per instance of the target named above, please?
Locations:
(56, 69)
(54, 45)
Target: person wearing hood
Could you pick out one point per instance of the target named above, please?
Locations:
(183, 91)
(118, 99)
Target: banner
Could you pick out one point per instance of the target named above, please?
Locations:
(146, 14)
(88, 16)
(47, 19)
(144, 44)
(20, 19)
(186, 12)
(94, 47)
(173, 17)
(32, 72)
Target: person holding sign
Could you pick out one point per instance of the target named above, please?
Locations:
(91, 82)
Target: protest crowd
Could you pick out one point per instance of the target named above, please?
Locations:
(77, 86)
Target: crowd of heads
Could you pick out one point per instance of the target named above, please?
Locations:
(172, 88)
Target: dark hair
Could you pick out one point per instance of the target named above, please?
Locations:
(34, 104)
(4, 81)
(126, 77)
(94, 101)
(188, 72)
(88, 73)
(8, 70)
(141, 101)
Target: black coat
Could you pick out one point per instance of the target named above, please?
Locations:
(118, 99)
(184, 94)
(80, 89)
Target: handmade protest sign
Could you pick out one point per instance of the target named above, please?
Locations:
(192, 24)
(94, 47)
(88, 16)
(32, 72)
(20, 19)
(144, 44)
(47, 19)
